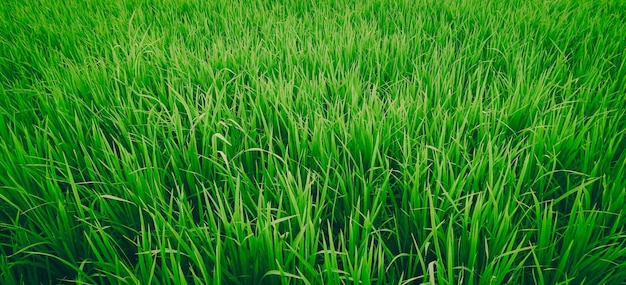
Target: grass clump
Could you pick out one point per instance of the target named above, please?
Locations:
(293, 142)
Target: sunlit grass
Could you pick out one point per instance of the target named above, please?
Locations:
(292, 142)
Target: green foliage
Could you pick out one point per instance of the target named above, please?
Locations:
(313, 142)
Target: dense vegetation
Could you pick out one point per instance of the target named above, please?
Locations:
(313, 142)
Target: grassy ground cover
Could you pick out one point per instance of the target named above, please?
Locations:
(313, 142)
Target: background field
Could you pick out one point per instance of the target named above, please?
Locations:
(313, 142)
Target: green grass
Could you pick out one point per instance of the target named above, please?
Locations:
(313, 142)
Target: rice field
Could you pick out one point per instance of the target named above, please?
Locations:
(313, 142)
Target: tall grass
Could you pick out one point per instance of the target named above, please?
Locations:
(313, 142)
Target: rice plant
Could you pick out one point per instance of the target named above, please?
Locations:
(313, 142)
